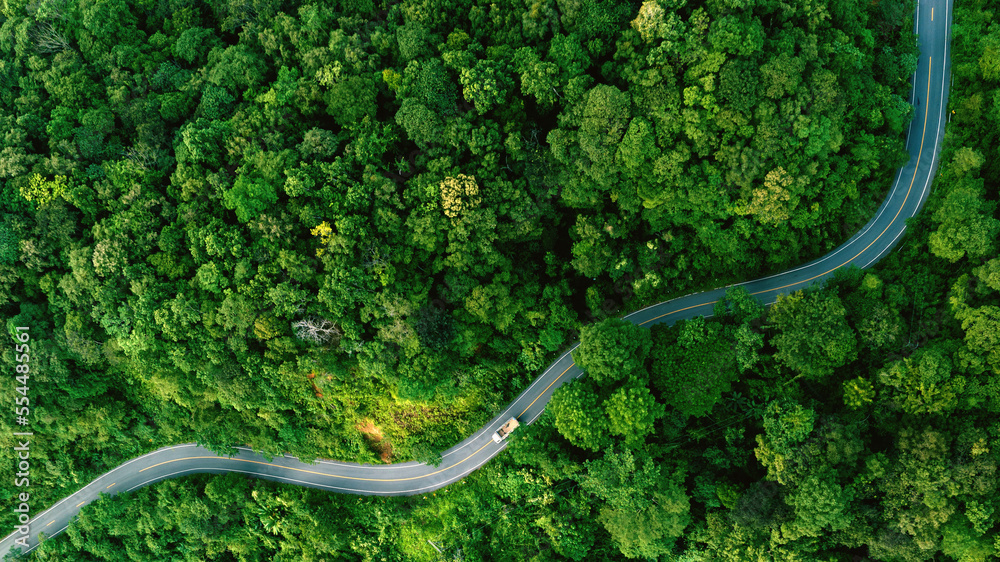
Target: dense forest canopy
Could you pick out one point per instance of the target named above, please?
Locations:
(202, 206)
(356, 230)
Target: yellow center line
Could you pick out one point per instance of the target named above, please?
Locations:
(932, 19)
(112, 484)
(323, 473)
(916, 167)
(546, 388)
(81, 503)
(678, 310)
(49, 523)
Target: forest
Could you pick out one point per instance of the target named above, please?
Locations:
(355, 230)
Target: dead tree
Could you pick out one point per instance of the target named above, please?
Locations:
(48, 39)
(316, 330)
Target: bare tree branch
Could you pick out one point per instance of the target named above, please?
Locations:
(48, 39)
(316, 330)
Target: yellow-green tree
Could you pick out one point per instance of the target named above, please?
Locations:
(42, 191)
(459, 194)
(773, 203)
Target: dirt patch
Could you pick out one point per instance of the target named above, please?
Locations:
(368, 429)
(377, 442)
(384, 450)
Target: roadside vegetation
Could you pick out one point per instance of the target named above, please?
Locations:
(357, 230)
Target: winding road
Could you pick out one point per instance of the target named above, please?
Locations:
(878, 237)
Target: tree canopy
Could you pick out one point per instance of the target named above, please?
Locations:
(357, 229)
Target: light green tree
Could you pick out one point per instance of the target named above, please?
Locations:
(631, 411)
(923, 383)
(786, 426)
(41, 191)
(821, 506)
(966, 225)
(613, 350)
(982, 333)
(989, 274)
(578, 415)
(858, 393)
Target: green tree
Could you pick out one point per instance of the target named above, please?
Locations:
(966, 225)
(539, 79)
(821, 506)
(651, 532)
(740, 305)
(486, 85)
(813, 337)
(924, 383)
(638, 146)
(623, 480)
(604, 122)
(961, 542)
(631, 411)
(989, 274)
(249, 197)
(982, 334)
(694, 363)
(412, 38)
(613, 350)
(594, 251)
(422, 126)
(989, 62)
(193, 45)
(351, 100)
(917, 499)
(578, 416)
(786, 426)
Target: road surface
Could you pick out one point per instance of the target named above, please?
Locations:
(876, 239)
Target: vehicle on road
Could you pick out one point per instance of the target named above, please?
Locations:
(505, 430)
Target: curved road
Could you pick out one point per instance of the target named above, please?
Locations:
(909, 191)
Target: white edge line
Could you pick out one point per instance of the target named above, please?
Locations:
(934, 153)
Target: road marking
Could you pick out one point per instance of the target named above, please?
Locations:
(50, 522)
(680, 310)
(327, 486)
(112, 484)
(916, 168)
(932, 14)
(81, 503)
(119, 467)
(547, 387)
(323, 473)
(524, 393)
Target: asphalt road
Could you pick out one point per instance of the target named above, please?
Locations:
(877, 238)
